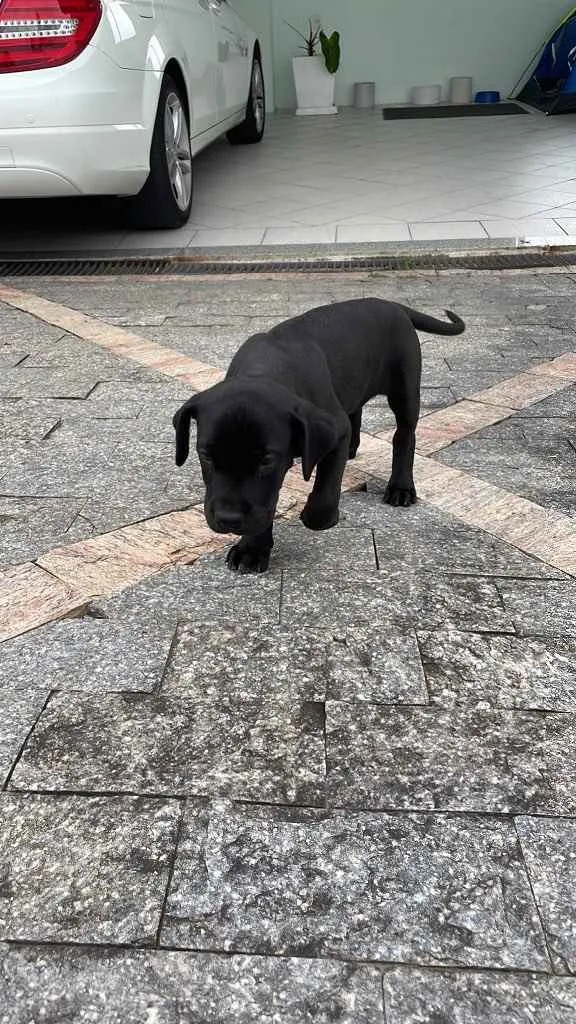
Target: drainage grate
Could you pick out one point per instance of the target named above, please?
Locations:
(154, 266)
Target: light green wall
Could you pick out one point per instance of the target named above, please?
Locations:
(400, 43)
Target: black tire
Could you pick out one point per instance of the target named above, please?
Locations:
(252, 128)
(157, 204)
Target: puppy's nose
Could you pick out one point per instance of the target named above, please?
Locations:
(230, 522)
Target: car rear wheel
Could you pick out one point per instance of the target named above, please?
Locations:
(252, 128)
(166, 198)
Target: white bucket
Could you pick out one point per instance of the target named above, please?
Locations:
(461, 90)
(426, 95)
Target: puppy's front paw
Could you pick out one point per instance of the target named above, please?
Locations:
(399, 496)
(319, 517)
(243, 558)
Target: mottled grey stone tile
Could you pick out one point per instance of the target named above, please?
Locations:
(562, 404)
(425, 758)
(89, 654)
(424, 888)
(11, 356)
(545, 607)
(425, 538)
(338, 548)
(133, 987)
(251, 750)
(212, 343)
(128, 399)
(247, 660)
(29, 526)
(91, 468)
(403, 598)
(19, 418)
(205, 590)
(252, 660)
(104, 516)
(77, 869)
(53, 382)
(548, 848)
(72, 351)
(485, 671)
(380, 666)
(542, 472)
(19, 708)
(480, 997)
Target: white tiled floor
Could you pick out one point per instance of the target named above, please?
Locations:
(356, 177)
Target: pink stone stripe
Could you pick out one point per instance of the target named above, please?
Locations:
(542, 533)
(108, 563)
(30, 597)
(442, 428)
(116, 340)
(521, 391)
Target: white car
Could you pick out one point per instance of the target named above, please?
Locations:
(114, 97)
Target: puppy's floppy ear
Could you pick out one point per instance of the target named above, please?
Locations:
(181, 424)
(315, 434)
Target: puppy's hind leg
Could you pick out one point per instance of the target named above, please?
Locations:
(405, 404)
(251, 554)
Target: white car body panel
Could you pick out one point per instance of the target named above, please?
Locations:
(85, 128)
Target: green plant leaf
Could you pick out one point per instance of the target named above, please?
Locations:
(331, 50)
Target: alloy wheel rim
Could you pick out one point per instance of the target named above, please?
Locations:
(178, 152)
(258, 96)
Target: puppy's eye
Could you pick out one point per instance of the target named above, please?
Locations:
(267, 464)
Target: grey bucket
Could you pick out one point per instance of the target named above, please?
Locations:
(364, 94)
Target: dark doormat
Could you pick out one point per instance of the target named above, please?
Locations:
(452, 110)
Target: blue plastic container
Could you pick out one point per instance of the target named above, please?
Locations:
(487, 97)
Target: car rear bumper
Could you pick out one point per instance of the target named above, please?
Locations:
(74, 130)
(93, 160)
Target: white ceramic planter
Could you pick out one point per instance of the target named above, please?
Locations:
(314, 86)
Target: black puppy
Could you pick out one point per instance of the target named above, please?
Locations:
(298, 391)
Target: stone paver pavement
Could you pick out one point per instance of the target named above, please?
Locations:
(340, 792)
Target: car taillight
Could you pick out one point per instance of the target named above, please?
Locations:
(44, 33)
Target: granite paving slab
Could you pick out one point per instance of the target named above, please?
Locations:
(81, 986)
(461, 760)
(19, 709)
(204, 590)
(104, 516)
(251, 750)
(369, 664)
(542, 473)
(483, 671)
(337, 548)
(541, 607)
(562, 404)
(425, 538)
(402, 598)
(11, 356)
(245, 661)
(77, 869)
(19, 418)
(88, 654)
(480, 997)
(72, 351)
(91, 468)
(56, 382)
(548, 848)
(424, 888)
(31, 526)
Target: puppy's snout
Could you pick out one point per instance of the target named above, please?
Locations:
(230, 522)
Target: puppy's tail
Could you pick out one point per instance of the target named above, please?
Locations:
(430, 325)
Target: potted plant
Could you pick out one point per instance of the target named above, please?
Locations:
(314, 73)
